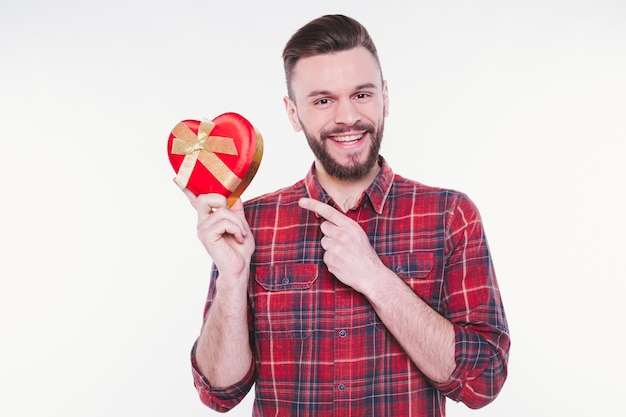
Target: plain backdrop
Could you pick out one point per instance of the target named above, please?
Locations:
(520, 104)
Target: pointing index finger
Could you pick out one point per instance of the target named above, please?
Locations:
(321, 209)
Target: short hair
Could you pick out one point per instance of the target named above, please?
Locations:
(324, 35)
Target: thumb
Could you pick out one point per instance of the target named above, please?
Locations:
(237, 207)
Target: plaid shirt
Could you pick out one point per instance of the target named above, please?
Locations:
(319, 347)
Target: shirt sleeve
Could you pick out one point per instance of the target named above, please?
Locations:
(474, 305)
(220, 399)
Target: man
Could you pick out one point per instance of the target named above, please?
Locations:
(355, 291)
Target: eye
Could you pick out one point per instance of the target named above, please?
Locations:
(362, 96)
(322, 102)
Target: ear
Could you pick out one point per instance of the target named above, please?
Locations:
(292, 113)
(385, 99)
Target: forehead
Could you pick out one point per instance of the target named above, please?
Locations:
(335, 72)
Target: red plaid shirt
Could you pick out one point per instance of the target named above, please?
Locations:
(319, 347)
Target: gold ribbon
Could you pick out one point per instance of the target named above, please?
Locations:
(203, 147)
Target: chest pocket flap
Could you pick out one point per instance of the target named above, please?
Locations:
(285, 301)
(410, 265)
(286, 277)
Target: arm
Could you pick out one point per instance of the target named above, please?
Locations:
(222, 354)
(426, 336)
(474, 305)
(464, 353)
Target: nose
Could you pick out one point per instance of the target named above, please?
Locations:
(346, 113)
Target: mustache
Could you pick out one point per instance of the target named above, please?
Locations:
(344, 129)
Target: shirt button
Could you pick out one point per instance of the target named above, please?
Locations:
(341, 387)
(399, 269)
(285, 281)
(342, 333)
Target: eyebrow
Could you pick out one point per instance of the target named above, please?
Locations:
(316, 93)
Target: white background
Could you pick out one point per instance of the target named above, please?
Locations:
(519, 104)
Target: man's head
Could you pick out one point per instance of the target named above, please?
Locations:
(324, 35)
(336, 94)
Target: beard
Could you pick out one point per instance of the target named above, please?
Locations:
(354, 169)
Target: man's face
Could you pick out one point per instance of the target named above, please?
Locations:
(340, 102)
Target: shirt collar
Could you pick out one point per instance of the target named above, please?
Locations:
(377, 192)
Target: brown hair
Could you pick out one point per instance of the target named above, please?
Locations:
(326, 34)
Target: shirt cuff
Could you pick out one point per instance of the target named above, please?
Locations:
(473, 355)
(220, 399)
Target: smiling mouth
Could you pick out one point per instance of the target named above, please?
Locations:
(347, 138)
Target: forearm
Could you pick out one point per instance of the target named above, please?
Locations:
(223, 351)
(426, 336)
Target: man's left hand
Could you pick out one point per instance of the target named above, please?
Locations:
(348, 252)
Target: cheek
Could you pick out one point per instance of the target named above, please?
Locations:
(311, 123)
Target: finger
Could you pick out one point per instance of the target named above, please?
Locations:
(225, 226)
(322, 209)
(324, 242)
(328, 228)
(215, 206)
(237, 206)
(237, 209)
(208, 203)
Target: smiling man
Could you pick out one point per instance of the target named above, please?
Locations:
(355, 291)
(342, 101)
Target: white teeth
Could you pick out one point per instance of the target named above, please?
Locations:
(347, 138)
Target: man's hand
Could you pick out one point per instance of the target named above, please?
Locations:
(223, 350)
(426, 336)
(224, 232)
(348, 252)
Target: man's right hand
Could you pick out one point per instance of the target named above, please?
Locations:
(223, 352)
(224, 232)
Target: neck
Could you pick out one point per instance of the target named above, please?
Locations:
(346, 193)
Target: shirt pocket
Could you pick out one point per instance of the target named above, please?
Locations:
(417, 270)
(285, 300)
(410, 266)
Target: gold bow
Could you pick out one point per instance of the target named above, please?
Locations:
(203, 147)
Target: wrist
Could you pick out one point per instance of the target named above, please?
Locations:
(233, 287)
(380, 279)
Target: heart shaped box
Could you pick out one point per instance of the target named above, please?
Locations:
(220, 156)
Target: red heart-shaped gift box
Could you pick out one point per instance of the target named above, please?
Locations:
(220, 156)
